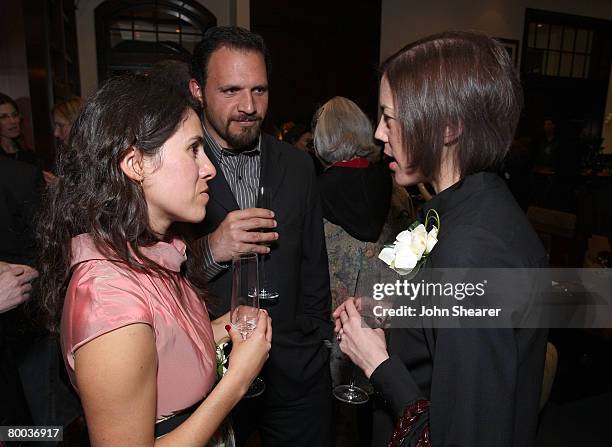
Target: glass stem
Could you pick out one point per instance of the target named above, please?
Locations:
(263, 273)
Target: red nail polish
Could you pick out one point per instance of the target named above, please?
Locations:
(228, 327)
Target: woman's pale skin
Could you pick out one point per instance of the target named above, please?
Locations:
(61, 127)
(116, 373)
(367, 347)
(10, 127)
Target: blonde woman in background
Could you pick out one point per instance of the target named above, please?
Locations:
(64, 114)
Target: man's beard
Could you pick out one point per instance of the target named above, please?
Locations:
(244, 138)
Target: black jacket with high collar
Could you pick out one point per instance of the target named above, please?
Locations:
(483, 384)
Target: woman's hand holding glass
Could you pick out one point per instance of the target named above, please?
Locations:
(249, 354)
(365, 347)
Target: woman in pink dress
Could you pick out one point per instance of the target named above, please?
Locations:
(136, 338)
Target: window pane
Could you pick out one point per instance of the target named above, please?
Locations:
(587, 66)
(578, 67)
(568, 39)
(581, 40)
(169, 28)
(590, 42)
(145, 36)
(533, 61)
(531, 35)
(542, 35)
(555, 37)
(169, 37)
(566, 64)
(140, 25)
(552, 67)
(123, 24)
(119, 36)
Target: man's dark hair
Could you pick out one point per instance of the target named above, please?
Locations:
(461, 80)
(232, 37)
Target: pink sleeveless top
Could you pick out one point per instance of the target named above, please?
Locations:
(105, 295)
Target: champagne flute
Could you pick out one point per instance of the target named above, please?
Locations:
(351, 393)
(245, 304)
(267, 293)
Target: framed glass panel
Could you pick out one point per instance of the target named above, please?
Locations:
(542, 35)
(582, 37)
(169, 37)
(552, 66)
(566, 65)
(145, 36)
(121, 24)
(568, 39)
(555, 37)
(590, 42)
(578, 66)
(168, 28)
(531, 35)
(116, 37)
(141, 25)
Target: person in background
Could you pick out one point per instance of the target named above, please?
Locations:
(356, 193)
(15, 289)
(450, 104)
(12, 141)
(362, 210)
(21, 188)
(546, 145)
(21, 185)
(231, 69)
(64, 114)
(112, 275)
(300, 136)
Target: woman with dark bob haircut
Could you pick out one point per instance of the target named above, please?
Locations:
(450, 104)
(136, 338)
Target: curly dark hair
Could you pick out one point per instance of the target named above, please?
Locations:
(93, 195)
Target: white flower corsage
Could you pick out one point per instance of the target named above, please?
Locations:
(411, 246)
(222, 358)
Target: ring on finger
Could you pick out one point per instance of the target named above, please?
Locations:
(340, 334)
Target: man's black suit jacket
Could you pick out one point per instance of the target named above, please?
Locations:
(20, 187)
(297, 267)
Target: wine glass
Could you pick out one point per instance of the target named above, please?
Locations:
(268, 294)
(351, 393)
(245, 304)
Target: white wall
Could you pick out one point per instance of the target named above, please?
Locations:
(404, 21)
(13, 64)
(86, 32)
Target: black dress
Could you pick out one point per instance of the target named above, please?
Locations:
(467, 387)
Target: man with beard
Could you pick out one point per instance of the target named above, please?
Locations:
(230, 69)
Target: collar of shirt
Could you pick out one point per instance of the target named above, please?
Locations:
(220, 152)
